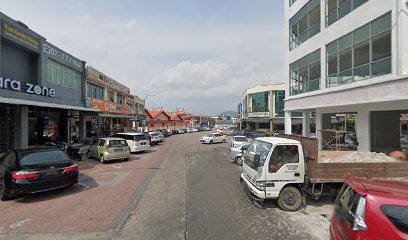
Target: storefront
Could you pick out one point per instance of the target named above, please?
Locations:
(41, 89)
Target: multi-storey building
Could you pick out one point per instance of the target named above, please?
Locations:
(349, 56)
(41, 89)
(263, 108)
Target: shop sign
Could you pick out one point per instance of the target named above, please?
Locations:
(18, 86)
(258, 114)
(110, 107)
(12, 33)
(62, 56)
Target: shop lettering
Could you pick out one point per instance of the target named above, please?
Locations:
(15, 85)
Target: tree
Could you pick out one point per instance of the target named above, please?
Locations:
(219, 118)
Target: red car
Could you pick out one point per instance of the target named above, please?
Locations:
(371, 209)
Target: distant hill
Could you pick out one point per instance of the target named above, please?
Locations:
(230, 113)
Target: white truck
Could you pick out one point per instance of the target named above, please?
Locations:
(288, 168)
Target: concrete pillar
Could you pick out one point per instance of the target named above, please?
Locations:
(288, 122)
(271, 126)
(306, 124)
(319, 124)
(82, 126)
(363, 131)
(21, 127)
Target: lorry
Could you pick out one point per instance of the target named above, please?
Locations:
(289, 168)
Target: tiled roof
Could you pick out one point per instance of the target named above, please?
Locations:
(154, 113)
(173, 116)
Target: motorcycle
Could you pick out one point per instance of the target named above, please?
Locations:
(74, 152)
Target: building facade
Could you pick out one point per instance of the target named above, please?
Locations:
(41, 89)
(348, 56)
(263, 108)
(113, 101)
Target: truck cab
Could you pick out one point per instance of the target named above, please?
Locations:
(274, 168)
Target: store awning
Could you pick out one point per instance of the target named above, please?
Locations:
(114, 115)
(44, 104)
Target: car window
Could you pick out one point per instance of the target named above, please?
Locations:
(240, 139)
(281, 155)
(125, 136)
(31, 158)
(117, 143)
(398, 215)
(347, 202)
(257, 147)
(140, 137)
(101, 143)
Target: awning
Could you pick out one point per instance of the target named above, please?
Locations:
(44, 104)
(114, 115)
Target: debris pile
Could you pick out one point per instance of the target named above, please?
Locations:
(355, 157)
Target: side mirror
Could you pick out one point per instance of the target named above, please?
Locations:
(257, 159)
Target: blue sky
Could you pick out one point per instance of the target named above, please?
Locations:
(190, 53)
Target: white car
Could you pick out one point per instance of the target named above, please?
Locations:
(137, 142)
(213, 138)
(157, 137)
(236, 153)
(238, 140)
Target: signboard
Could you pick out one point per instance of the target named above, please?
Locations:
(18, 86)
(62, 56)
(18, 36)
(98, 77)
(258, 114)
(110, 107)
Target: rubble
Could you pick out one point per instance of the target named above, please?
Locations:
(353, 157)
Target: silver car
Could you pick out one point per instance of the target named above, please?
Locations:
(238, 140)
(236, 153)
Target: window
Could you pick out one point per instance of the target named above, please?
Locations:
(362, 54)
(95, 91)
(101, 143)
(260, 102)
(346, 204)
(305, 74)
(279, 103)
(281, 155)
(304, 24)
(291, 2)
(257, 147)
(398, 215)
(120, 99)
(337, 9)
(62, 75)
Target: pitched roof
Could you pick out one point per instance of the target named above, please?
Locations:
(173, 116)
(154, 113)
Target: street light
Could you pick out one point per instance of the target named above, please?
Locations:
(151, 94)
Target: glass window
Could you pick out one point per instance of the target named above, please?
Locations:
(398, 215)
(337, 9)
(332, 64)
(279, 103)
(361, 53)
(101, 143)
(346, 203)
(362, 34)
(257, 147)
(345, 61)
(62, 75)
(381, 46)
(305, 74)
(281, 155)
(381, 24)
(345, 42)
(260, 102)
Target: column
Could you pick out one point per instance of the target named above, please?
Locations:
(319, 126)
(82, 126)
(21, 127)
(306, 124)
(271, 126)
(288, 122)
(363, 131)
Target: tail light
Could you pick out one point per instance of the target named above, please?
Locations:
(69, 169)
(107, 147)
(19, 175)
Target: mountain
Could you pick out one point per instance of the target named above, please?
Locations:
(230, 113)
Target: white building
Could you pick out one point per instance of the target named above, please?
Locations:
(349, 56)
(262, 108)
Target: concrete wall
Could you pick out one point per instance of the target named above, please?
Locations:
(385, 130)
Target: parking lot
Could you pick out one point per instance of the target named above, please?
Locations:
(180, 189)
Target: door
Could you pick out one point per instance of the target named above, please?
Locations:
(219, 137)
(284, 166)
(100, 148)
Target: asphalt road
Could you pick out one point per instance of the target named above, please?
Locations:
(179, 190)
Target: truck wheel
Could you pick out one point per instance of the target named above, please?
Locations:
(290, 199)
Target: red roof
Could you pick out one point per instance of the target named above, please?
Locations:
(173, 116)
(154, 113)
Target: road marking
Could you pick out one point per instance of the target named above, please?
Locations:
(20, 223)
(116, 166)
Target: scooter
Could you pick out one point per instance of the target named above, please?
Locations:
(73, 153)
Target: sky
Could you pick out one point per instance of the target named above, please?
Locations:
(198, 55)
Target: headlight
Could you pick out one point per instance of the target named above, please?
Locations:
(260, 185)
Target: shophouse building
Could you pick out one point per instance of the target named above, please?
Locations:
(157, 119)
(114, 102)
(349, 56)
(41, 89)
(263, 109)
(139, 115)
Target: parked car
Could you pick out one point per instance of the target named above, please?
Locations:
(157, 138)
(213, 138)
(195, 129)
(189, 130)
(34, 170)
(181, 131)
(238, 140)
(169, 132)
(149, 138)
(175, 131)
(237, 152)
(108, 149)
(137, 142)
(371, 209)
(164, 132)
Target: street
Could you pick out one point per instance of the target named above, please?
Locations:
(180, 189)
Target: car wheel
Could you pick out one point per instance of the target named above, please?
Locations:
(3, 191)
(239, 161)
(223, 141)
(211, 141)
(88, 155)
(102, 159)
(233, 160)
(290, 199)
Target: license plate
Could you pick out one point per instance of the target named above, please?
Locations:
(117, 150)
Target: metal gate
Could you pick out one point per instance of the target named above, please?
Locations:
(7, 119)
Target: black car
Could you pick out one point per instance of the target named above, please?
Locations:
(34, 170)
(174, 131)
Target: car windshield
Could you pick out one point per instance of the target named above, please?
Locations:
(140, 137)
(117, 143)
(32, 158)
(240, 139)
(257, 147)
